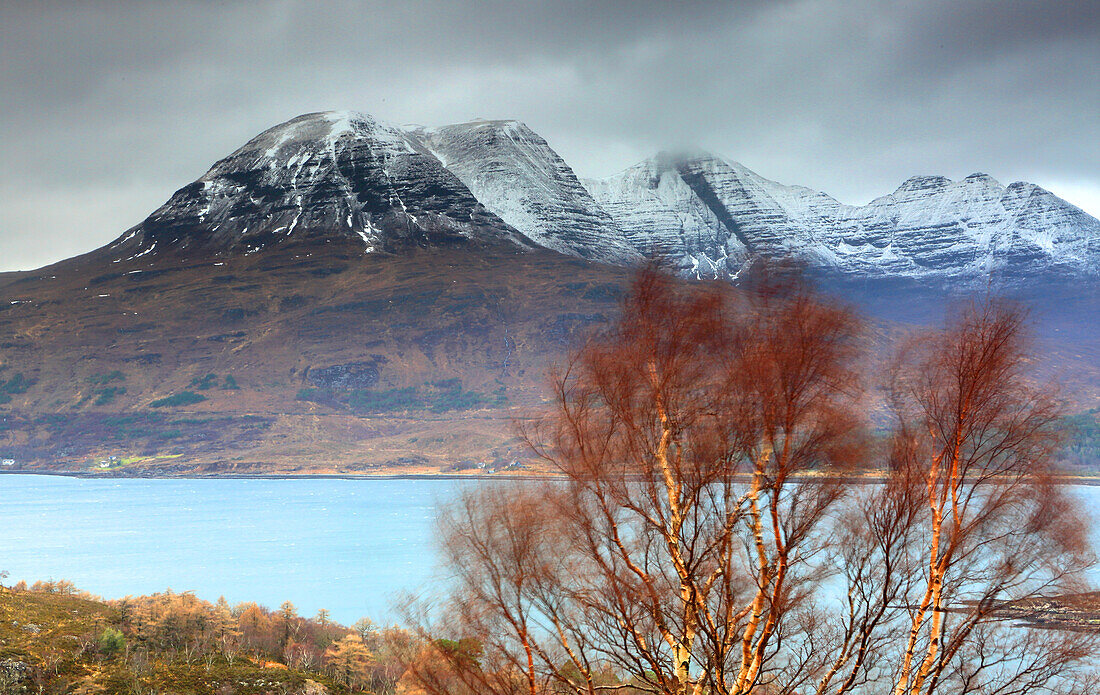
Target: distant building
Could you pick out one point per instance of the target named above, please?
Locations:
(7, 462)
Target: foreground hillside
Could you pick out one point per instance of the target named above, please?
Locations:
(287, 360)
(54, 639)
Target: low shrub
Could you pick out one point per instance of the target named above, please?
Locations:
(457, 400)
(181, 398)
(111, 642)
(106, 378)
(106, 396)
(17, 384)
(364, 401)
(205, 382)
(315, 395)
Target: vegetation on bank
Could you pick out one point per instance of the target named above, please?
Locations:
(209, 381)
(15, 385)
(55, 639)
(1082, 450)
(154, 433)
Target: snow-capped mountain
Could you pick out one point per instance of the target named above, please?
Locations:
(322, 174)
(516, 175)
(349, 175)
(709, 215)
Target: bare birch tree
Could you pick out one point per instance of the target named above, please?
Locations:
(967, 523)
(978, 437)
(680, 542)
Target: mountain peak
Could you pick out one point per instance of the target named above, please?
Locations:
(923, 183)
(982, 179)
(675, 159)
(484, 129)
(326, 127)
(497, 123)
(330, 174)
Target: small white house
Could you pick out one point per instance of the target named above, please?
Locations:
(7, 462)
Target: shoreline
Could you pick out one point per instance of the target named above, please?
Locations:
(91, 475)
(869, 478)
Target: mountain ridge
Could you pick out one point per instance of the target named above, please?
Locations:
(514, 172)
(347, 174)
(929, 226)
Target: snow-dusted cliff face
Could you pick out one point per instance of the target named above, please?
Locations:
(970, 228)
(710, 215)
(516, 175)
(706, 215)
(321, 175)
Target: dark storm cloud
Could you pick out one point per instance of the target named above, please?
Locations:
(109, 107)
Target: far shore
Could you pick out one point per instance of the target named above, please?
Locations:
(870, 477)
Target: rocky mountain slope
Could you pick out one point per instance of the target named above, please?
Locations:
(515, 174)
(303, 357)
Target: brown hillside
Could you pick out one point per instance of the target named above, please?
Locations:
(315, 358)
(343, 361)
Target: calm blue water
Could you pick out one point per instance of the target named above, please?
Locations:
(345, 545)
(350, 546)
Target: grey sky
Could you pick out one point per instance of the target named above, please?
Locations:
(106, 108)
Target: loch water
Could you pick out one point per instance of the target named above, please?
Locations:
(351, 546)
